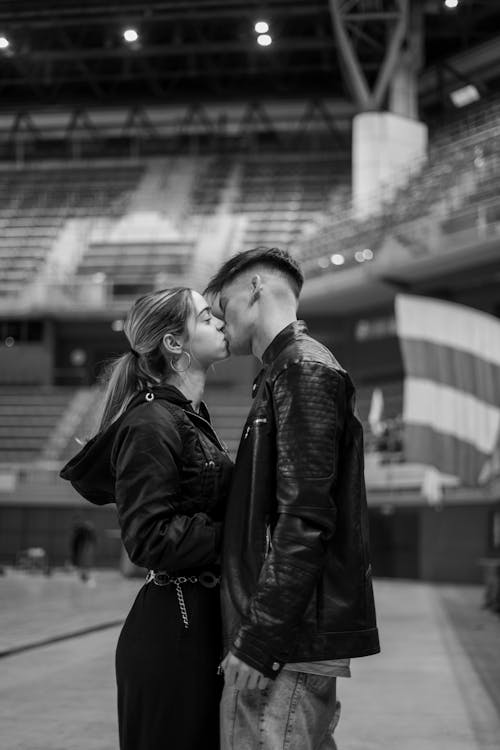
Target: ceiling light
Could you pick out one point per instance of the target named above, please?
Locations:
(465, 95)
(337, 259)
(264, 40)
(367, 254)
(323, 262)
(261, 27)
(451, 3)
(130, 35)
(358, 255)
(4, 42)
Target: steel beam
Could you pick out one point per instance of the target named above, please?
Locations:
(349, 19)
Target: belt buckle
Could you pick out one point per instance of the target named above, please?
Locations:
(208, 579)
(159, 578)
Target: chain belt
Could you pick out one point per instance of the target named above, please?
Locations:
(161, 578)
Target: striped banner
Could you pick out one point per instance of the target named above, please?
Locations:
(451, 404)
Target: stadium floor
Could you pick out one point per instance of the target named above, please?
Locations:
(436, 685)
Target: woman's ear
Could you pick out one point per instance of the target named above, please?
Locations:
(172, 345)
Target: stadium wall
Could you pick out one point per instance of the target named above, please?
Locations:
(442, 545)
(50, 527)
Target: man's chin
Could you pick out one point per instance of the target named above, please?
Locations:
(238, 349)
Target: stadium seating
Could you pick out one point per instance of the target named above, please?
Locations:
(35, 203)
(136, 268)
(280, 195)
(281, 198)
(28, 415)
(214, 177)
(461, 172)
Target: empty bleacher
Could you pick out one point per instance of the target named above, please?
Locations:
(282, 197)
(458, 188)
(212, 183)
(35, 203)
(28, 415)
(137, 267)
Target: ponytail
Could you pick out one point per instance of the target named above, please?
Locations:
(120, 379)
(144, 365)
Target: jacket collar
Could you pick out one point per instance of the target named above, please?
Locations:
(174, 396)
(282, 339)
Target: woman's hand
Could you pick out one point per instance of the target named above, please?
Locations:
(240, 675)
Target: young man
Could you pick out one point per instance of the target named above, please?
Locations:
(297, 592)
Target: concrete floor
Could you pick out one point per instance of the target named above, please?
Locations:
(424, 692)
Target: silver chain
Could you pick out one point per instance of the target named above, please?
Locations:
(182, 604)
(178, 589)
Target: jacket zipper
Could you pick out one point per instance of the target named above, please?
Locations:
(217, 438)
(269, 544)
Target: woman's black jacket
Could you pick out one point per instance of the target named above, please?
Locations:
(166, 470)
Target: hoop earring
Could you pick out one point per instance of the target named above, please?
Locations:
(173, 363)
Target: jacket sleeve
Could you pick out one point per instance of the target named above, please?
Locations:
(309, 404)
(156, 535)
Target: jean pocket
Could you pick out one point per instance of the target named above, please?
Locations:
(321, 684)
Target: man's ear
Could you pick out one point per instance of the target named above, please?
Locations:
(171, 344)
(256, 288)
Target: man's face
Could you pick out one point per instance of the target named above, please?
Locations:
(234, 306)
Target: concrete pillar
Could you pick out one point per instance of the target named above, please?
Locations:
(386, 149)
(403, 91)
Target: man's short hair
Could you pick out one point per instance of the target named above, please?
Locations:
(272, 257)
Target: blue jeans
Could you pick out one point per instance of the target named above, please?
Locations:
(297, 711)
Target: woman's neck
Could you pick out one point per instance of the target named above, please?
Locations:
(191, 384)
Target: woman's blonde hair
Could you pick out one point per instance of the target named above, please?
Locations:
(144, 365)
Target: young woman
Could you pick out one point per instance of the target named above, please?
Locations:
(158, 458)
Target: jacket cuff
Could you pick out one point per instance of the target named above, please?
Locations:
(249, 650)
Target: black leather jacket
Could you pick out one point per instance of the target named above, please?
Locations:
(297, 580)
(165, 468)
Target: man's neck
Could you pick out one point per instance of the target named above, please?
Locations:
(273, 324)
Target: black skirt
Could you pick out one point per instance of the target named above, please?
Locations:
(168, 686)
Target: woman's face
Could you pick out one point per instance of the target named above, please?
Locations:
(207, 343)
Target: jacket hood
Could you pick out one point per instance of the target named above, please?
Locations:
(90, 470)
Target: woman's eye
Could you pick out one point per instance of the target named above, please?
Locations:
(207, 320)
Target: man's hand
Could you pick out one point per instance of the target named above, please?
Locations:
(240, 675)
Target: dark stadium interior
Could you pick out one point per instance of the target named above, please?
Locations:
(72, 52)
